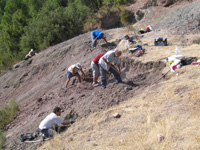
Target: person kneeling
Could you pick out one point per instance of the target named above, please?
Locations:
(53, 119)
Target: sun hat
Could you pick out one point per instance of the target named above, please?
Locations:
(78, 66)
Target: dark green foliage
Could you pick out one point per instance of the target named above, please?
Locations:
(2, 5)
(12, 24)
(37, 24)
(95, 5)
(53, 24)
(117, 2)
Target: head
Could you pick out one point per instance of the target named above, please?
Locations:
(31, 50)
(118, 53)
(57, 111)
(78, 65)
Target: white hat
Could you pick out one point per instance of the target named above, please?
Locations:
(31, 50)
(78, 66)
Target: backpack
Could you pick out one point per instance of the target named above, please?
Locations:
(28, 136)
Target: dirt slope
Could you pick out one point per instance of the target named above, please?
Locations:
(37, 85)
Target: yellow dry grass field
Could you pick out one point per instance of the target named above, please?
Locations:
(165, 116)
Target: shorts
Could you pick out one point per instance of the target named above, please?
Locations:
(47, 132)
(70, 75)
(95, 70)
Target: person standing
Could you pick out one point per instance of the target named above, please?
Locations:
(95, 68)
(105, 63)
(97, 35)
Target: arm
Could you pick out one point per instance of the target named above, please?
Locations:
(94, 41)
(105, 40)
(108, 64)
(73, 71)
(66, 123)
(82, 72)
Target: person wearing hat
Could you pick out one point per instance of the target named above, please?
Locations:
(105, 65)
(53, 119)
(97, 35)
(30, 54)
(73, 71)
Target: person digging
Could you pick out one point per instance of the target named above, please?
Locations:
(97, 35)
(73, 71)
(105, 63)
(53, 119)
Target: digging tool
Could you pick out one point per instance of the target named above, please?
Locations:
(129, 81)
(161, 77)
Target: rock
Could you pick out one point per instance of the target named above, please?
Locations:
(116, 115)
(128, 88)
(161, 137)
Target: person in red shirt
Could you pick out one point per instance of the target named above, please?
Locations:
(95, 68)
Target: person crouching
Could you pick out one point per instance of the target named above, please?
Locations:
(73, 71)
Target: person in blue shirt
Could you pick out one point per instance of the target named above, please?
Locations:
(97, 35)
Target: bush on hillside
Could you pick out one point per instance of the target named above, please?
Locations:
(6, 116)
(7, 113)
(106, 17)
(197, 41)
(127, 17)
(117, 2)
(2, 139)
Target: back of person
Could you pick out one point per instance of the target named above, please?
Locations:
(97, 34)
(74, 67)
(32, 53)
(96, 59)
(49, 121)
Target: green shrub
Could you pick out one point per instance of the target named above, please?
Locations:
(7, 113)
(197, 41)
(2, 139)
(6, 116)
(126, 17)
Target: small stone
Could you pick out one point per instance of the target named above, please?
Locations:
(116, 115)
(161, 137)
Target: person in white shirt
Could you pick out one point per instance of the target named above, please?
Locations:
(30, 54)
(46, 126)
(105, 65)
(73, 71)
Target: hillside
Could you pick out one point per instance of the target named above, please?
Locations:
(170, 106)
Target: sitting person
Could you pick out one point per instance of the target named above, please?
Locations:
(73, 71)
(30, 54)
(46, 126)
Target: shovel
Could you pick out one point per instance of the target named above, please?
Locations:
(129, 81)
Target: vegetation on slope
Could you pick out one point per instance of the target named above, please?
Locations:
(6, 116)
(39, 24)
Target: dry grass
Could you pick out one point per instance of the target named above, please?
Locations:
(170, 107)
